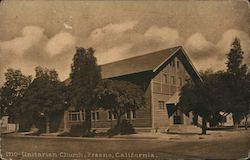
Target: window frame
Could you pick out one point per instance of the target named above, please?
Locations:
(161, 105)
(173, 80)
(95, 116)
(76, 113)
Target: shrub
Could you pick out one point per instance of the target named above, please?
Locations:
(124, 128)
(76, 130)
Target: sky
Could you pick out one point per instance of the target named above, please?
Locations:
(46, 33)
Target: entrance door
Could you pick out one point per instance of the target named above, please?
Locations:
(178, 117)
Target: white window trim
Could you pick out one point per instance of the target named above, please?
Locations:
(112, 116)
(95, 118)
(158, 107)
(131, 116)
(78, 114)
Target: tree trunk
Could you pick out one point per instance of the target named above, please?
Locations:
(47, 124)
(87, 122)
(246, 122)
(204, 124)
(236, 120)
(195, 119)
(118, 123)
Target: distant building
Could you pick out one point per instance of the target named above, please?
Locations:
(161, 74)
(227, 119)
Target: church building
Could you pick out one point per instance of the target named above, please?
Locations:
(161, 74)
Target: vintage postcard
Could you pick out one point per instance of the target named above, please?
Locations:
(124, 80)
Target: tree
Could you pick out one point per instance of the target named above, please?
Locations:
(45, 96)
(12, 91)
(200, 98)
(120, 97)
(235, 80)
(85, 75)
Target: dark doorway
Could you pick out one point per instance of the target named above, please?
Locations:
(178, 117)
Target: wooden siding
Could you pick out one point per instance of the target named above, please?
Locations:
(164, 85)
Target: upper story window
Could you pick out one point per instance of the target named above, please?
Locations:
(161, 105)
(178, 64)
(165, 78)
(172, 63)
(173, 81)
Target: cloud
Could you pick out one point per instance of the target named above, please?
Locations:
(111, 29)
(33, 48)
(123, 40)
(164, 35)
(224, 44)
(199, 47)
(206, 54)
(30, 35)
(60, 42)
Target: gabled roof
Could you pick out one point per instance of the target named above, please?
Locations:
(147, 62)
(142, 63)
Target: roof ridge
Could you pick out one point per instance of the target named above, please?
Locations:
(177, 47)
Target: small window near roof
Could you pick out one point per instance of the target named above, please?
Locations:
(173, 81)
(178, 64)
(165, 78)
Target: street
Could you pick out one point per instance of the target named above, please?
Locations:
(231, 145)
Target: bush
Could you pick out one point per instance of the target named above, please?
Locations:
(76, 130)
(79, 130)
(127, 127)
(124, 128)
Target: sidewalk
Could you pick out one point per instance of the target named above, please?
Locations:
(211, 135)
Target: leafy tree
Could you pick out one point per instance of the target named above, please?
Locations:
(120, 97)
(200, 97)
(45, 96)
(235, 80)
(85, 75)
(12, 91)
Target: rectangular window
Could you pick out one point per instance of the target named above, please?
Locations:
(165, 78)
(93, 116)
(133, 114)
(172, 63)
(109, 115)
(114, 116)
(74, 116)
(97, 116)
(161, 105)
(180, 81)
(128, 115)
(173, 80)
(178, 64)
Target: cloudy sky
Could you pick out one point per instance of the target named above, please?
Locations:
(46, 33)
